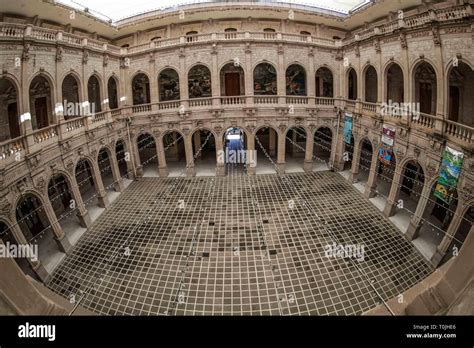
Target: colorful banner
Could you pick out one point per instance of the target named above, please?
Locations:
(347, 128)
(388, 134)
(385, 154)
(449, 174)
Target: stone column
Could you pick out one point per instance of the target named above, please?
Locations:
(250, 148)
(20, 296)
(188, 148)
(82, 213)
(220, 156)
(281, 78)
(215, 79)
(36, 265)
(118, 182)
(449, 235)
(272, 141)
(160, 150)
(183, 82)
(281, 151)
(391, 204)
(372, 180)
(101, 193)
(197, 143)
(59, 236)
(308, 157)
(311, 78)
(417, 220)
(355, 161)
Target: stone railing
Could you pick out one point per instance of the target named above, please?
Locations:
(426, 123)
(18, 31)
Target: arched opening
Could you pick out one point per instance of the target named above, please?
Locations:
(168, 85)
(175, 153)
(436, 219)
(105, 168)
(324, 83)
(191, 36)
(122, 158)
(386, 164)
(322, 148)
(230, 33)
(365, 161)
(8, 111)
(147, 154)
(351, 84)
(305, 33)
(409, 193)
(268, 138)
(460, 235)
(65, 207)
(395, 85)
(295, 149)
(461, 103)
(6, 236)
(155, 38)
(204, 152)
(87, 187)
(348, 155)
(425, 91)
(141, 89)
(199, 82)
(36, 227)
(232, 80)
(371, 85)
(235, 150)
(265, 80)
(41, 103)
(269, 33)
(71, 101)
(94, 93)
(112, 92)
(295, 80)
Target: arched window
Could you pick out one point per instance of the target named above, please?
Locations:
(125, 46)
(8, 110)
(230, 33)
(324, 83)
(371, 85)
(265, 79)
(141, 89)
(40, 102)
(295, 80)
(156, 38)
(70, 93)
(352, 85)
(232, 80)
(305, 33)
(191, 36)
(168, 85)
(395, 88)
(199, 82)
(93, 91)
(112, 93)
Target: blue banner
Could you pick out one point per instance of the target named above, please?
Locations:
(347, 128)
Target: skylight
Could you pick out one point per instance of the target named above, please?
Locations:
(115, 10)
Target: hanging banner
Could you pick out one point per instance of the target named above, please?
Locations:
(385, 154)
(388, 134)
(448, 174)
(347, 128)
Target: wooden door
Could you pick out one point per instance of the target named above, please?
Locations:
(41, 110)
(232, 84)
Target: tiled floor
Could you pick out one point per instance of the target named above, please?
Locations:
(238, 245)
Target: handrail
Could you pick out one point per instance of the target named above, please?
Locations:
(453, 131)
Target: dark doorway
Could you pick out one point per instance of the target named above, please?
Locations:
(13, 120)
(41, 111)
